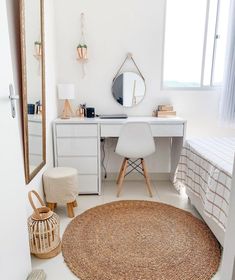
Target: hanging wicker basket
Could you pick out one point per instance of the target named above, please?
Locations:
(44, 230)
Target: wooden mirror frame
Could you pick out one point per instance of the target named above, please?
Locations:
(29, 176)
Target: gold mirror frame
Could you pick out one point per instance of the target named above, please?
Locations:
(30, 175)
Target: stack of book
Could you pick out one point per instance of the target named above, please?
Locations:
(165, 111)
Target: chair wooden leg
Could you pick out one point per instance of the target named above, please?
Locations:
(147, 179)
(51, 205)
(121, 169)
(75, 204)
(70, 212)
(122, 177)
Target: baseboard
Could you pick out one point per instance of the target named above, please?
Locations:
(135, 176)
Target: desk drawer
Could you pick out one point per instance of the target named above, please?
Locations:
(158, 130)
(35, 128)
(88, 184)
(76, 130)
(35, 145)
(77, 146)
(110, 130)
(84, 165)
(169, 130)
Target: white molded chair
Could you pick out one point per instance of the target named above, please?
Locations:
(135, 142)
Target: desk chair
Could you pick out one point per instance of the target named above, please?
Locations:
(135, 142)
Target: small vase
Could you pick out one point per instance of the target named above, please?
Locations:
(84, 53)
(38, 50)
(79, 50)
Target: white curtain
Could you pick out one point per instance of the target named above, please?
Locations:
(227, 105)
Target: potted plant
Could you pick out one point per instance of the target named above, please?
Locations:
(82, 51)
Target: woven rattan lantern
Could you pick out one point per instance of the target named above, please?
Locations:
(44, 230)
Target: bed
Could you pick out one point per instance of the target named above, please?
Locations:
(205, 170)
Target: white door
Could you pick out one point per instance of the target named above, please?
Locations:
(14, 251)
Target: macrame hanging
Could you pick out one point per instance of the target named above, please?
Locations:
(82, 47)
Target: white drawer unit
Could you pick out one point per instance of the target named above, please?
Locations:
(35, 140)
(35, 128)
(77, 145)
(35, 145)
(84, 165)
(88, 184)
(74, 130)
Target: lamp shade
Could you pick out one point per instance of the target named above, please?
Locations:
(66, 91)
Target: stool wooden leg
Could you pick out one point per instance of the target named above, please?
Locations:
(123, 172)
(147, 179)
(51, 205)
(120, 172)
(70, 212)
(75, 204)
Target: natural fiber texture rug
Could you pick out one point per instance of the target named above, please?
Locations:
(133, 240)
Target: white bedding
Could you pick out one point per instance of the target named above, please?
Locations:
(205, 167)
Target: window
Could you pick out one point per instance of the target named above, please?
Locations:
(195, 41)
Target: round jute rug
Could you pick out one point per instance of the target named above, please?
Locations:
(133, 240)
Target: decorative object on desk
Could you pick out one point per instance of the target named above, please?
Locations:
(140, 240)
(66, 92)
(38, 54)
(82, 56)
(165, 108)
(44, 230)
(37, 50)
(90, 112)
(37, 105)
(81, 111)
(128, 88)
(61, 186)
(165, 111)
(31, 109)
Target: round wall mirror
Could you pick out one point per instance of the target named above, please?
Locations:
(128, 89)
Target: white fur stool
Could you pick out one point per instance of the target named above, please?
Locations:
(61, 186)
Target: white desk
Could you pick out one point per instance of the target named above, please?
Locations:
(77, 144)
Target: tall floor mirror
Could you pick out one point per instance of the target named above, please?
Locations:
(33, 85)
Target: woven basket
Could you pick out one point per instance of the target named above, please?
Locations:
(44, 230)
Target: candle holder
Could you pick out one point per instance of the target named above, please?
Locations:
(37, 50)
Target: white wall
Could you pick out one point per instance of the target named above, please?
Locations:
(114, 28)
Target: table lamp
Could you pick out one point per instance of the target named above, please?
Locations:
(66, 92)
